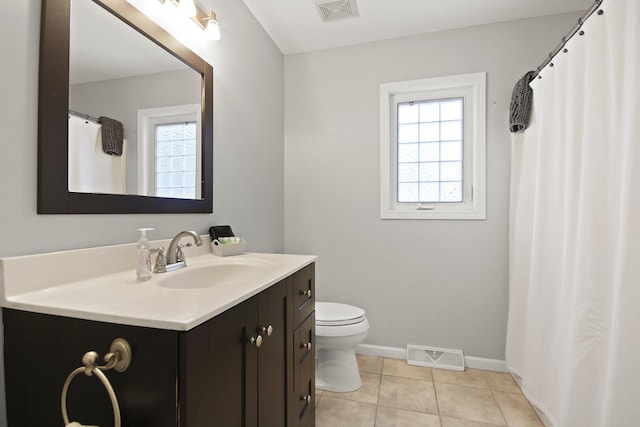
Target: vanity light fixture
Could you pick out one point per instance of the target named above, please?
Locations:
(209, 23)
(187, 8)
(212, 29)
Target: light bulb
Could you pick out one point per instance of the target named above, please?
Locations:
(187, 8)
(213, 29)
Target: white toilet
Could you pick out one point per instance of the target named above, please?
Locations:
(339, 330)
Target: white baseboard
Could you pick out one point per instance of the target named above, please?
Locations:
(486, 364)
(401, 353)
(379, 350)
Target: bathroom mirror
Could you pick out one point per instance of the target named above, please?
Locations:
(78, 85)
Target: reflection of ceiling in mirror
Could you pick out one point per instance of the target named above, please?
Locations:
(103, 47)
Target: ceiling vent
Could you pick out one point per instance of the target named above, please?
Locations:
(338, 9)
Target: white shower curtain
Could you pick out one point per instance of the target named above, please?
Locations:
(90, 169)
(574, 309)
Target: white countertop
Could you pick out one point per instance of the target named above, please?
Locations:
(117, 297)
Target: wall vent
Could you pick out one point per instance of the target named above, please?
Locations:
(338, 9)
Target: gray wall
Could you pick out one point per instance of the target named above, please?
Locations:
(248, 145)
(427, 282)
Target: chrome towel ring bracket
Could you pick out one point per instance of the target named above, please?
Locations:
(118, 358)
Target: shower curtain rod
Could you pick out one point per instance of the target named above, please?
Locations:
(84, 116)
(566, 38)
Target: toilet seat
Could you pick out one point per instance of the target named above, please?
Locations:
(336, 314)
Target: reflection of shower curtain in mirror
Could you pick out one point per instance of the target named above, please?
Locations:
(90, 169)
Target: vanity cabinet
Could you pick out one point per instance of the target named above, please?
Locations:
(250, 366)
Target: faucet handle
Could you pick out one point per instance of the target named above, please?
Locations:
(180, 254)
(180, 257)
(161, 260)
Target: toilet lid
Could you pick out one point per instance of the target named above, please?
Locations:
(336, 314)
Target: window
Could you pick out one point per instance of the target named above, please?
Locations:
(168, 151)
(432, 148)
(175, 174)
(429, 146)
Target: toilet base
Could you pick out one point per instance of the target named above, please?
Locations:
(337, 370)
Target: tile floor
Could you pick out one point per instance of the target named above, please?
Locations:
(395, 394)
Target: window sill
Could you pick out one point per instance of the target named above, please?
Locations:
(477, 213)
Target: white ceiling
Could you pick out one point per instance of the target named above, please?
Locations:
(295, 25)
(104, 48)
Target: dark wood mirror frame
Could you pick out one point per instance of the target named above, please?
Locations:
(53, 104)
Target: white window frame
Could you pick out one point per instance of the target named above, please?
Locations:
(148, 118)
(471, 87)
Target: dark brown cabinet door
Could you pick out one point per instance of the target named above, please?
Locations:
(274, 327)
(41, 350)
(235, 365)
(218, 370)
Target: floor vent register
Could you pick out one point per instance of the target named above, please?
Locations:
(433, 357)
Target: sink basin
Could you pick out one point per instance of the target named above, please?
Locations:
(218, 274)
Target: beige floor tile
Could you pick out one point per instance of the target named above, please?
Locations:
(409, 396)
(368, 393)
(400, 368)
(517, 410)
(407, 393)
(502, 381)
(333, 412)
(468, 377)
(469, 403)
(456, 422)
(393, 417)
(371, 364)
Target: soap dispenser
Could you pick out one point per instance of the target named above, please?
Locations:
(143, 266)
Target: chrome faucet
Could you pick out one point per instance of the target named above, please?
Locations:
(175, 256)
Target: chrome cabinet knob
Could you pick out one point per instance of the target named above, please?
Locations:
(306, 398)
(257, 341)
(267, 330)
(307, 346)
(306, 293)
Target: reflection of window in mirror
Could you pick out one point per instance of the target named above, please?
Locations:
(176, 160)
(168, 148)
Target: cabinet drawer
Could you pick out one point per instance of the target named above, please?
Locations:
(304, 373)
(304, 289)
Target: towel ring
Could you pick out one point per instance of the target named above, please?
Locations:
(107, 385)
(118, 358)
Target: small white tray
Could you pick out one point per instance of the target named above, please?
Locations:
(228, 249)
